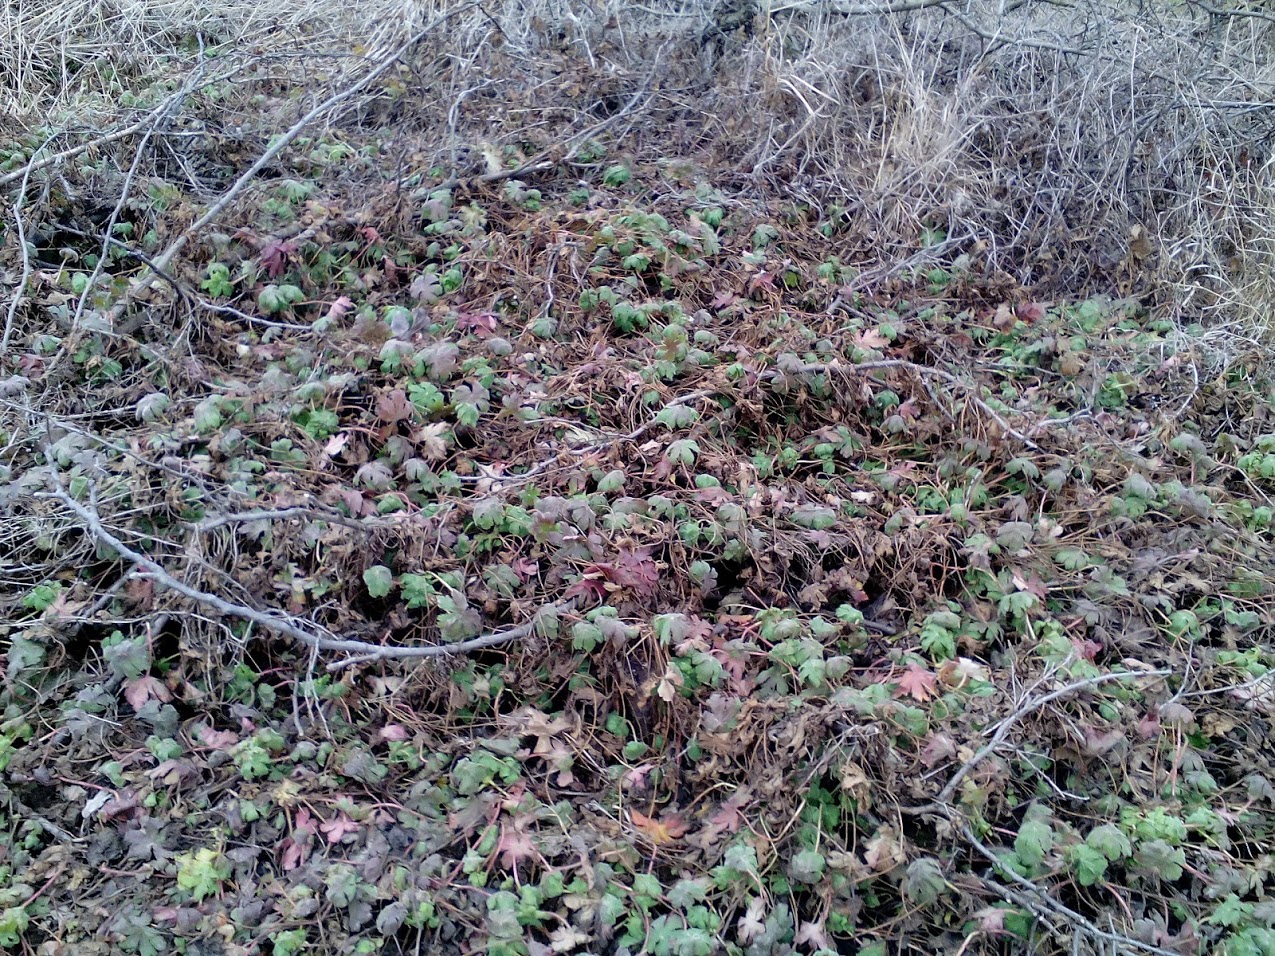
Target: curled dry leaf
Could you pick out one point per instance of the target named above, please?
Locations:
(431, 439)
(339, 309)
(671, 827)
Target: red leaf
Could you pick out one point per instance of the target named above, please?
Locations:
(137, 692)
(481, 324)
(631, 569)
(728, 817)
(291, 855)
(762, 280)
(525, 568)
(338, 309)
(1031, 311)
(338, 827)
(274, 256)
(723, 300)
(393, 406)
(938, 748)
(660, 831)
(590, 585)
(305, 822)
(1032, 584)
(917, 682)
(635, 778)
(355, 501)
(392, 732)
(1086, 648)
(123, 806)
(217, 739)
(636, 570)
(515, 845)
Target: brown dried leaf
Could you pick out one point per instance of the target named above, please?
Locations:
(394, 406)
(660, 832)
(916, 682)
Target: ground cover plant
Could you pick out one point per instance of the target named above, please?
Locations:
(472, 492)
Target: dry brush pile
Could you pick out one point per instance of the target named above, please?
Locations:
(639, 479)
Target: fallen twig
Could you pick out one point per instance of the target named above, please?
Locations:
(942, 803)
(1034, 892)
(368, 651)
(546, 159)
(281, 514)
(35, 165)
(20, 291)
(148, 277)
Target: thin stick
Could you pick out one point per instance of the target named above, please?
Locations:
(943, 802)
(1035, 892)
(35, 165)
(282, 514)
(20, 291)
(147, 279)
(147, 567)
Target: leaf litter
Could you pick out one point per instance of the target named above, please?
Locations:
(839, 615)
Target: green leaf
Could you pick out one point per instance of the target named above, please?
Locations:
(1230, 912)
(674, 417)
(1034, 841)
(923, 882)
(288, 942)
(1089, 864)
(685, 893)
(683, 452)
(13, 925)
(342, 882)
(815, 517)
(1073, 559)
(616, 176)
(1160, 824)
(938, 637)
(763, 236)
(807, 866)
(585, 636)
(269, 300)
(379, 580)
(611, 482)
(417, 590)
(201, 873)
(644, 884)
(129, 659)
(1157, 858)
(1110, 841)
(41, 597)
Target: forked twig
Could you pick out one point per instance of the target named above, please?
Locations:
(367, 651)
(149, 275)
(1039, 897)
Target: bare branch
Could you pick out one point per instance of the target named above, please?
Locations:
(281, 514)
(147, 567)
(942, 804)
(1216, 12)
(1033, 892)
(147, 279)
(1031, 706)
(859, 9)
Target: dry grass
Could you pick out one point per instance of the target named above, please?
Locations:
(72, 58)
(1119, 149)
